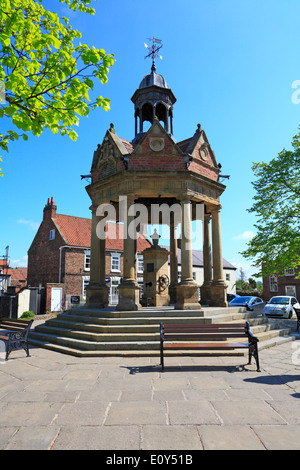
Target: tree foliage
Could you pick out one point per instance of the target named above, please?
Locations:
(276, 245)
(47, 72)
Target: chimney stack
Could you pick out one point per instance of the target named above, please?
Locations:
(50, 209)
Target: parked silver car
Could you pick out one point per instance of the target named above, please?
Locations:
(281, 306)
(255, 304)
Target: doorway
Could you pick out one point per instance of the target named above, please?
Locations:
(56, 299)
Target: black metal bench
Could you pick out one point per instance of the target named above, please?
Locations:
(182, 336)
(17, 335)
(297, 311)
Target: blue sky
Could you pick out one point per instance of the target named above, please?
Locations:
(231, 65)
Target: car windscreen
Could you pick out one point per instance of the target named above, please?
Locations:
(240, 300)
(280, 300)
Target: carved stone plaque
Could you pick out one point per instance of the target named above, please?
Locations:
(157, 144)
(203, 153)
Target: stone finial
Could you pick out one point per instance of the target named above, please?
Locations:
(155, 237)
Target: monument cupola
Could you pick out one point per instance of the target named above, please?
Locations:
(153, 98)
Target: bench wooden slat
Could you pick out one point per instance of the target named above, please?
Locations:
(206, 346)
(191, 334)
(210, 326)
(197, 330)
(11, 328)
(13, 324)
(205, 325)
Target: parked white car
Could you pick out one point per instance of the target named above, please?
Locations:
(281, 306)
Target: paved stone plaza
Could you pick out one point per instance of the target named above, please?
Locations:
(55, 401)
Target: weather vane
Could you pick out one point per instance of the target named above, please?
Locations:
(156, 46)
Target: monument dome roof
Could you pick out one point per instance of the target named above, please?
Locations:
(153, 78)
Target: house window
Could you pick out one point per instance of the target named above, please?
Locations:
(290, 290)
(289, 272)
(273, 283)
(86, 281)
(140, 264)
(52, 234)
(87, 260)
(227, 277)
(115, 262)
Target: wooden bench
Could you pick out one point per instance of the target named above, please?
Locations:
(17, 335)
(214, 337)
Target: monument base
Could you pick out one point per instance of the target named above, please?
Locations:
(129, 296)
(205, 293)
(172, 292)
(187, 296)
(156, 300)
(97, 296)
(218, 294)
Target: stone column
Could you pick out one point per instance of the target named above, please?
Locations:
(173, 261)
(167, 120)
(207, 264)
(135, 124)
(187, 289)
(218, 285)
(129, 290)
(97, 292)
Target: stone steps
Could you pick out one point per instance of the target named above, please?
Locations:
(119, 333)
(84, 332)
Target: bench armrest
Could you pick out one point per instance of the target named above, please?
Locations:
(251, 338)
(161, 331)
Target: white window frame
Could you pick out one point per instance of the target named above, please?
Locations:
(227, 277)
(85, 283)
(273, 283)
(115, 256)
(289, 272)
(87, 260)
(52, 234)
(289, 294)
(140, 264)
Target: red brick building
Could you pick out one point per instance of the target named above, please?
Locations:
(282, 285)
(59, 258)
(11, 279)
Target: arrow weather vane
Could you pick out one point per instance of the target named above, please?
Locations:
(156, 46)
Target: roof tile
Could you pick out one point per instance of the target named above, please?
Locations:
(77, 232)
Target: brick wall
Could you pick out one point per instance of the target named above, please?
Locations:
(73, 270)
(282, 281)
(156, 162)
(43, 255)
(164, 160)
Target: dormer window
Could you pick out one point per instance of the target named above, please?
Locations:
(52, 234)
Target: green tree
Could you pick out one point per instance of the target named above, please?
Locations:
(276, 245)
(252, 283)
(46, 72)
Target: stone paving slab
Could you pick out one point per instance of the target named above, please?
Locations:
(55, 401)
